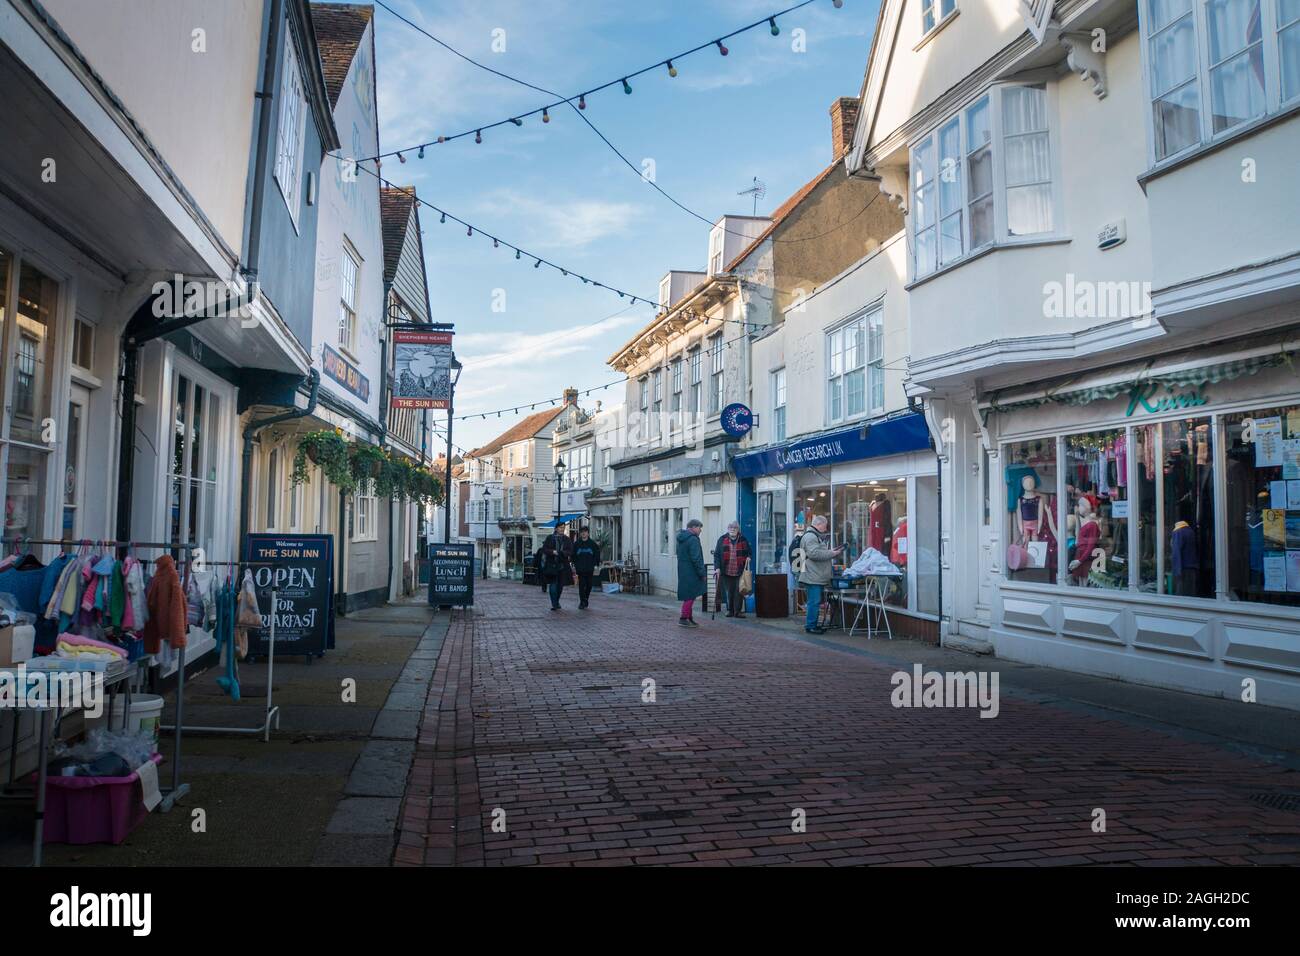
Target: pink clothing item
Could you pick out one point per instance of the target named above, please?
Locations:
(69, 638)
(688, 608)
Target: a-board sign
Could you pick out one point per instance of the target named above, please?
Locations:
(302, 570)
(451, 574)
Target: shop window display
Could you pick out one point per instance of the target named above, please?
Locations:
(1263, 505)
(1033, 537)
(1144, 448)
(29, 368)
(771, 554)
(873, 514)
(1187, 507)
(812, 501)
(1097, 509)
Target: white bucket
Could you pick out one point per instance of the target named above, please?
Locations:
(145, 714)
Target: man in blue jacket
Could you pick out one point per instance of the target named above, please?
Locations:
(586, 558)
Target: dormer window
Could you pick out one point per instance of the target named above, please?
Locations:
(665, 291)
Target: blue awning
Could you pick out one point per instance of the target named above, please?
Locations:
(894, 436)
(562, 519)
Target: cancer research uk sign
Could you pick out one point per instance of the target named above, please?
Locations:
(302, 570)
(421, 369)
(451, 574)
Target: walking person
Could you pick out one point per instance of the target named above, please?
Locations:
(816, 571)
(557, 565)
(692, 581)
(730, 556)
(586, 558)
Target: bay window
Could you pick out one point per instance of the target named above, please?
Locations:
(1214, 65)
(963, 198)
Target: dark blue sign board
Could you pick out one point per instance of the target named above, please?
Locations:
(451, 575)
(737, 420)
(895, 436)
(302, 570)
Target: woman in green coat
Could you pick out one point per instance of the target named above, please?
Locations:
(690, 570)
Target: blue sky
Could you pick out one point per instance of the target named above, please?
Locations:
(556, 189)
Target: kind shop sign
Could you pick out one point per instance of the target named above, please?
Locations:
(301, 570)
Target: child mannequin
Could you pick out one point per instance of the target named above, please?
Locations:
(1088, 534)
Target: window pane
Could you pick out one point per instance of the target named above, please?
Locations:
(981, 222)
(1165, 12)
(916, 539)
(950, 168)
(1233, 25)
(33, 352)
(837, 349)
(856, 389)
(1024, 110)
(837, 399)
(1144, 447)
(950, 238)
(1029, 210)
(853, 346)
(978, 132)
(872, 514)
(924, 210)
(1032, 535)
(179, 425)
(25, 491)
(946, 7)
(1173, 56)
(197, 435)
(1290, 55)
(1028, 160)
(1178, 120)
(1188, 526)
(1237, 89)
(1096, 479)
(1263, 507)
(925, 252)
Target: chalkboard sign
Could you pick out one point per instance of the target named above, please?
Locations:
(303, 574)
(451, 574)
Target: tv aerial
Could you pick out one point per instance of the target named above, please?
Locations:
(758, 190)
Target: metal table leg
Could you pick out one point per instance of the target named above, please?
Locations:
(43, 758)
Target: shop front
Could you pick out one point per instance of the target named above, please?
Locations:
(1151, 521)
(877, 485)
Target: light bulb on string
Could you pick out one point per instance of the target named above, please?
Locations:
(721, 49)
(420, 155)
(517, 121)
(776, 31)
(537, 264)
(582, 101)
(627, 87)
(443, 219)
(495, 244)
(672, 70)
(478, 136)
(469, 231)
(442, 139)
(400, 157)
(837, 3)
(546, 117)
(516, 253)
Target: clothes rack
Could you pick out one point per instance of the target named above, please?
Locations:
(178, 789)
(272, 709)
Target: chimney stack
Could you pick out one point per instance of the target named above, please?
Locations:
(570, 396)
(844, 120)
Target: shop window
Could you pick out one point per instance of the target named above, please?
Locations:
(770, 553)
(810, 501)
(195, 451)
(920, 536)
(1097, 509)
(873, 514)
(29, 366)
(1186, 507)
(1263, 505)
(1033, 539)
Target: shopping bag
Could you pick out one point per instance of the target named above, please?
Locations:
(746, 581)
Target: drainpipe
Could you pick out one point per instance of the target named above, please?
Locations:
(250, 432)
(266, 100)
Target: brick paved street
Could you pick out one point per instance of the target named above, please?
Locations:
(540, 715)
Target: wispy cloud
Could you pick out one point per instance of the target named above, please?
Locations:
(558, 223)
(528, 349)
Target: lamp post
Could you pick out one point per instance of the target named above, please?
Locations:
(559, 483)
(446, 487)
(487, 495)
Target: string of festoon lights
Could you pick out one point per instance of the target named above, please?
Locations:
(668, 64)
(538, 261)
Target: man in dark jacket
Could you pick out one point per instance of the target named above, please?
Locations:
(691, 580)
(557, 564)
(586, 558)
(730, 555)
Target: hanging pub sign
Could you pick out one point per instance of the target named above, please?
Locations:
(421, 369)
(451, 574)
(302, 570)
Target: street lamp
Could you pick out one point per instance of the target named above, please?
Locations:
(559, 483)
(446, 488)
(487, 494)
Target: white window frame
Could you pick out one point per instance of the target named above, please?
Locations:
(348, 309)
(928, 10)
(695, 359)
(291, 134)
(365, 521)
(929, 176)
(778, 404)
(717, 368)
(715, 251)
(665, 292)
(1271, 29)
(869, 359)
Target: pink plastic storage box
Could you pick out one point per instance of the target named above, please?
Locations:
(93, 809)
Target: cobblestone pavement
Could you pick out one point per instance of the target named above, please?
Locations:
(537, 747)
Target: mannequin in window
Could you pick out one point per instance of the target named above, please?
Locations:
(1087, 536)
(881, 523)
(1186, 558)
(1036, 518)
(898, 544)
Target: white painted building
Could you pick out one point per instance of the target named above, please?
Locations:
(1103, 284)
